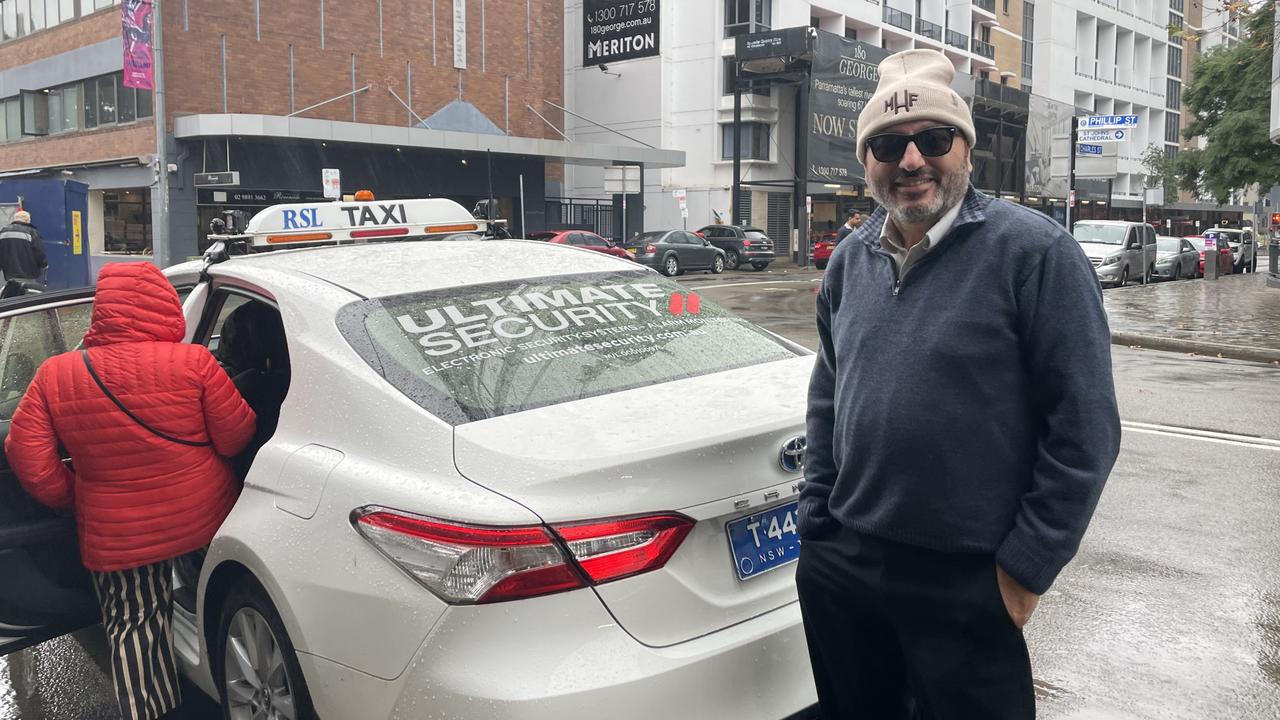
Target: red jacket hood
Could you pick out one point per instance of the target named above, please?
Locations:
(134, 302)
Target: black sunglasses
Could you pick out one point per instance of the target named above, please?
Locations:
(933, 142)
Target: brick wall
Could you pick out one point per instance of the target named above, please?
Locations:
(102, 25)
(258, 70)
(128, 141)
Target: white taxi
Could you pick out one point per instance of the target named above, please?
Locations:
(507, 480)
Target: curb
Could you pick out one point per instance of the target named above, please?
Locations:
(1269, 356)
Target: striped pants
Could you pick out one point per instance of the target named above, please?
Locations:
(137, 612)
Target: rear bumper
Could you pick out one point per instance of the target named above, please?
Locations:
(758, 256)
(564, 656)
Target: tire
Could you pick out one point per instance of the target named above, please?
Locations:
(820, 264)
(759, 266)
(717, 265)
(671, 265)
(250, 625)
(732, 260)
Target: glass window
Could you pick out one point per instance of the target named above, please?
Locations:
(53, 106)
(126, 109)
(35, 113)
(106, 99)
(1105, 234)
(70, 9)
(100, 4)
(90, 103)
(8, 20)
(126, 221)
(747, 16)
(144, 103)
(28, 340)
(64, 109)
(74, 321)
(753, 142)
(38, 16)
(482, 351)
(13, 119)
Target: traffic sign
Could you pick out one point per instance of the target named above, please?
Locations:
(1089, 149)
(1109, 121)
(1101, 136)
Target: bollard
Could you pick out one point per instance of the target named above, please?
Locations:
(1274, 257)
(1211, 258)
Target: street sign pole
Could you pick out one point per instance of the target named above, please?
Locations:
(1071, 171)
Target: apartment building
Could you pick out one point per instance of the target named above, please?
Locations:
(409, 98)
(682, 97)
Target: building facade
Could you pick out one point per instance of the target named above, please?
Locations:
(408, 98)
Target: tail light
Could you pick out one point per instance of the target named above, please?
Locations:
(472, 564)
(649, 249)
(700, 234)
(746, 243)
(615, 549)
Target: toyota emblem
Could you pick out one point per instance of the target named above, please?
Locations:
(791, 458)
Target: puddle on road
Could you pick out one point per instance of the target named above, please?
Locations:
(54, 681)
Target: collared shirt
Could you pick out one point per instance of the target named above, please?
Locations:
(905, 257)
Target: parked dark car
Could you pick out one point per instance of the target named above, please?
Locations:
(741, 245)
(582, 239)
(673, 252)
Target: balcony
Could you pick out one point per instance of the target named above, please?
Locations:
(985, 49)
(988, 5)
(924, 28)
(957, 40)
(897, 18)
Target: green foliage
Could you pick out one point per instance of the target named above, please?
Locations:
(1230, 102)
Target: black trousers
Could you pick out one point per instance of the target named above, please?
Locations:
(137, 613)
(901, 632)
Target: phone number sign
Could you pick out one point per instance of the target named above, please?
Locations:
(614, 30)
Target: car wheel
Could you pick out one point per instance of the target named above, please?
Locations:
(732, 260)
(820, 264)
(255, 665)
(671, 266)
(759, 266)
(717, 265)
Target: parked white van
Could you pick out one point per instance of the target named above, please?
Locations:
(1119, 250)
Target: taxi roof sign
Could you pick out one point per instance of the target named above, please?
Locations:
(338, 222)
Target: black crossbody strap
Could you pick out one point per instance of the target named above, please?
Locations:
(94, 374)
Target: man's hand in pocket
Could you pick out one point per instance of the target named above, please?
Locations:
(1019, 602)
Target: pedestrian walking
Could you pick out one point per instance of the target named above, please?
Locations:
(961, 424)
(149, 423)
(850, 224)
(22, 249)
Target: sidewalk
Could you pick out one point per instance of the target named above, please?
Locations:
(1237, 316)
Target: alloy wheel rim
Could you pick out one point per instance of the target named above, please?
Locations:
(256, 678)
(672, 266)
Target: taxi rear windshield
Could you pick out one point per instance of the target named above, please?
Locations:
(483, 351)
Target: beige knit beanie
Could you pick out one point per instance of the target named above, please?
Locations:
(914, 85)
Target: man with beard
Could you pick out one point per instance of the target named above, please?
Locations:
(961, 424)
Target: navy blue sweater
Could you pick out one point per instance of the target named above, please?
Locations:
(969, 408)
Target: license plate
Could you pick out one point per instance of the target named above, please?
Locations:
(765, 541)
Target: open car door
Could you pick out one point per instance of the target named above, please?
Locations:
(44, 589)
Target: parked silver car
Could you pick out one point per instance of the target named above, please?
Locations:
(1119, 250)
(1176, 258)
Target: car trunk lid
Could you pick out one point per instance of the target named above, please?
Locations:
(707, 447)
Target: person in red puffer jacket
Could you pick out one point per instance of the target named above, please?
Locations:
(149, 439)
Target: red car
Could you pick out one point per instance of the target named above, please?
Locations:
(582, 239)
(822, 250)
(1224, 248)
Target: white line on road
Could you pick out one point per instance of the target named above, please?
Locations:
(753, 282)
(1252, 441)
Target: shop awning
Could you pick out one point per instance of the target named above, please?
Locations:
(296, 128)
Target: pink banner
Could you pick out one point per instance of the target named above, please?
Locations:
(138, 59)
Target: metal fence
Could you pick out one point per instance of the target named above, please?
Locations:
(597, 215)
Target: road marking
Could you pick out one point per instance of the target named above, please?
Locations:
(753, 282)
(1251, 441)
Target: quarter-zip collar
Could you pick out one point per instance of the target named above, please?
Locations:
(973, 210)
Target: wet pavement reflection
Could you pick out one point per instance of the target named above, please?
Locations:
(1235, 310)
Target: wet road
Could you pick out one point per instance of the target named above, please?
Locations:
(1170, 610)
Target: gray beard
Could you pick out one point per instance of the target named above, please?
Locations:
(952, 189)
